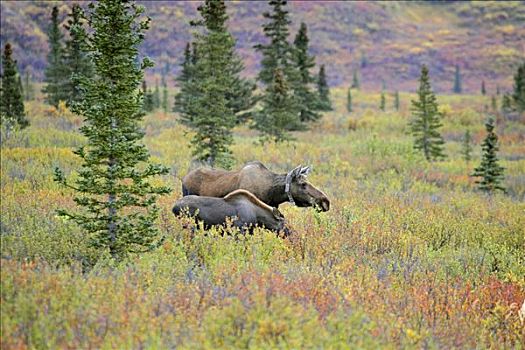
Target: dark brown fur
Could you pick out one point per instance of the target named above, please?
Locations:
(245, 210)
(256, 178)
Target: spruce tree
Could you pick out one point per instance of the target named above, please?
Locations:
(349, 100)
(77, 63)
(457, 81)
(148, 103)
(518, 96)
(382, 102)
(189, 59)
(12, 111)
(19, 82)
(491, 173)
(185, 82)
(483, 90)
(219, 96)
(29, 91)
(278, 118)
(466, 146)
(306, 98)
(355, 80)
(194, 54)
(364, 60)
(506, 103)
(396, 100)
(56, 76)
(278, 55)
(426, 120)
(113, 186)
(164, 95)
(156, 96)
(323, 90)
(494, 104)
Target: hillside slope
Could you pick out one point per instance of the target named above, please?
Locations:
(385, 41)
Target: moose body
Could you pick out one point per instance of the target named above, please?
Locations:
(244, 209)
(271, 188)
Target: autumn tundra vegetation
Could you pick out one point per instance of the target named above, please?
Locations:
(403, 227)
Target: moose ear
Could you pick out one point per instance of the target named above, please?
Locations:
(296, 171)
(305, 171)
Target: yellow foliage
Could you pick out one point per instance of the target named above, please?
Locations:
(407, 249)
(358, 31)
(413, 335)
(445, 109)
(416, 50)
(505, 52)
(507, 29)
(178, 13)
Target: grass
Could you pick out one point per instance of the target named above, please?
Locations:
(409, 256)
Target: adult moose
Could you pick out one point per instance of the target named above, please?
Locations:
(271, 188)
(245, 210)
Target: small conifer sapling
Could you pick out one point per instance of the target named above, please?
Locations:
(490, 172)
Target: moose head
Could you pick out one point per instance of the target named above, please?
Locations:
(302, 193)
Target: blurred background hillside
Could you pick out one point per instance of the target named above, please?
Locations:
(383, 41)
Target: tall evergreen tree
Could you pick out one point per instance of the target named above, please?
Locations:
(457, 81)
(167, 68)
(20, 86)
(29, 90)
(185, 82)
(518, 96)
(491, 173)
(506, 103)
(364, 60)
(466, 146)
(396, 100)
(306, 98)
(278, 55)
(77, 62)
(483, 90)
(323, 90)
(113, 186)
(355, 80)
(494, 103)
(55, 74)
(426, 120)
(164, 95)
(148, 102)
(12, 113)
(219, 95)
(349, 100)
(156, 96)
(382, 102)
(189, 59)
(278, 118)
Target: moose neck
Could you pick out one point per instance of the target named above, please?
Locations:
(277, 195)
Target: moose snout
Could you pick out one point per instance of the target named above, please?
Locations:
(324, 204)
